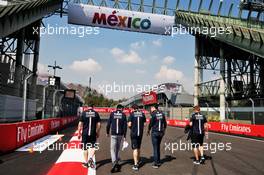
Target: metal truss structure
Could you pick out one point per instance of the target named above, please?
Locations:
(16, 51)
(140, 6)
(19, 14)
(245, 73)
(240, 74)
(238, 55)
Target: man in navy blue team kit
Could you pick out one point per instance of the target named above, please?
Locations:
(118, 124)
(136, 123)
(157, 125)
(198, 123)
(89, 124)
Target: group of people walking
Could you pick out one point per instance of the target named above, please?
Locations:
(117, 124)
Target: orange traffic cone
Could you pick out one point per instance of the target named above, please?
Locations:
(31, 149)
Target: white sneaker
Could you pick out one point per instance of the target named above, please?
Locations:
(196, 162)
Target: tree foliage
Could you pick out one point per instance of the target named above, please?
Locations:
(98, 100)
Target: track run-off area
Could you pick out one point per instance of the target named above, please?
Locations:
(226, 154)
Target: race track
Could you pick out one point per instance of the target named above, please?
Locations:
(245, 157)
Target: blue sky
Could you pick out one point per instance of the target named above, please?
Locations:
(151, 56)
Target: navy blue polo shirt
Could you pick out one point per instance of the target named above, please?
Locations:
(198, 120)
(137, 119)
(158, 121)
(90, 119)
(117, 122)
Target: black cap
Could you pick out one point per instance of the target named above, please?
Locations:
(119, 106)
(135, 106)
(156, 106)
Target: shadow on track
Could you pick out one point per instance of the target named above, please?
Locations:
(195, 167)
(102, 163)
(144, 161)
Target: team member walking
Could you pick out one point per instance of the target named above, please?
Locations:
(89, 125)
(136, 123)
(198, 123)
(157, 125)
(118, 124)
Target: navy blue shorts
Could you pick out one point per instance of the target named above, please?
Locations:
(88, 141)
(197, 140)
(136, 142)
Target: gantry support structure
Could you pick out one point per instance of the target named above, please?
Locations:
(20, 22)
(236, 56)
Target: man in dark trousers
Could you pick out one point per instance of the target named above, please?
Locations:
(157, 125)
(89, 125)
(117, 122)
(198, 122)
(136, 123)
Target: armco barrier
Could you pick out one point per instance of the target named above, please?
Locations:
(15, 135)
(223, 127)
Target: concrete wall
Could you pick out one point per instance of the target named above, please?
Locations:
(236, 114)
(179, 113)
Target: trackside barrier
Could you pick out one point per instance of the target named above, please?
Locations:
(224, 127)
(15, 135)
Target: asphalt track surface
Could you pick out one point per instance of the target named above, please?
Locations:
(246, 157)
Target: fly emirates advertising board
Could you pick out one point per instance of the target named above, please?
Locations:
(89, 15)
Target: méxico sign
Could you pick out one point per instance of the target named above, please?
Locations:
(89, 15)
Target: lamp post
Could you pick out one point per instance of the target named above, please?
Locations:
(54, 100)
(227, 111)
(44, 100)
(54, 68)
(25, 97)
(253, 110)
